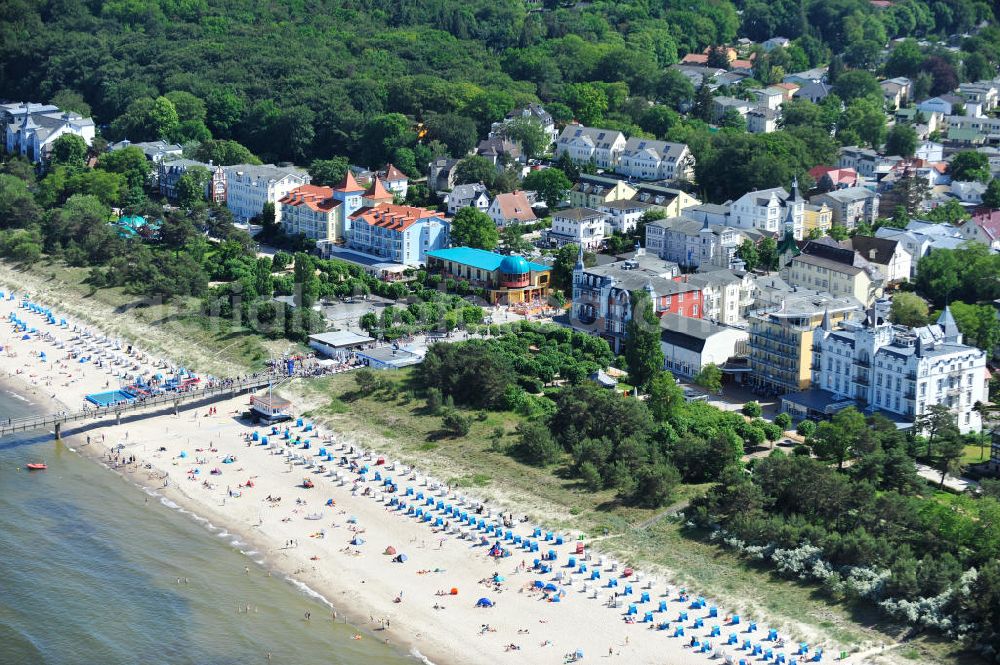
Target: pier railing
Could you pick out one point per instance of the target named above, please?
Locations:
(219, 390)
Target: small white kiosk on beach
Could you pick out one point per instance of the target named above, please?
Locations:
(270, 408)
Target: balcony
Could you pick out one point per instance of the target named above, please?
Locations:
(910, 394)
(862, 362)
(862, 380)
(911, 376)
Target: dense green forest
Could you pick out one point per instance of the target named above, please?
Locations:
(301, 80)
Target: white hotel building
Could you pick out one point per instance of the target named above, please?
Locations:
(899, 370)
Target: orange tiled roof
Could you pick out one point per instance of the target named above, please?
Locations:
(394, 217)
(741, 64)
(392, 173)
(694, 59)
(349, 184)
(377, 191)
(314, 197)
(515, 207)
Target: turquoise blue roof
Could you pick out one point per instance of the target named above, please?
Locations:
(480, 258)
(514, 265)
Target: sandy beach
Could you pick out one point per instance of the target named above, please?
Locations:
(333, 536)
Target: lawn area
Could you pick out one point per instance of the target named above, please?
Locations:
(396, 422)
(974, 454)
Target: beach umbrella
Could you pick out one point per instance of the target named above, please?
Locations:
(551, 587)
(484, 602)
(358, 541)
(390, 550)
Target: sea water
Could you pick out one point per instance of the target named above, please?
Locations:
(89, 564)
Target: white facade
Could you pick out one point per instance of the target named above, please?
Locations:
(692, 244)
(31, 129)
(583, 144)
(727, 297)
(901, 370)
(250, 187)
(468, 196)
(769, 210)
(689, 344)
(580, 226)
(647, 159)
(623, 216)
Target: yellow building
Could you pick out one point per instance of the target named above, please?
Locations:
(592, 191)
(508, 280)
(781, 338)
(816, 217)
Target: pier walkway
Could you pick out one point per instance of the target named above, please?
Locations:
(152, 405)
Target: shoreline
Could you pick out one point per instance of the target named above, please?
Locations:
(362, 579)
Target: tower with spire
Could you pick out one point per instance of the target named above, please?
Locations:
(349, 193)
(949, 327)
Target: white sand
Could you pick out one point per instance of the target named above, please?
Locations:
(362, 586)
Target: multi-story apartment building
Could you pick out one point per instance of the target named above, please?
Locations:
(581, 226)
(249, 187)
(402, 234)
(592, 191)
(602, 295)
(727, 295)
(899, 370)
(673, 202)
(781, 338)
(324, 213)
(850, 206)
(816, 218)
(824, 265)
(623, 216)
(769, 210)
(589, 144)
(648, 159)
(31, 129)
(693, 244)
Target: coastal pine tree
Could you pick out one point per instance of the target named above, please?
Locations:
(643, 354)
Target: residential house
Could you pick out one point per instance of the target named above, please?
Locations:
(623, 216)
(713, 213)
(815, 75)
(929, 151)
(900, 371)
(769, 210)
(781, 337)
(722, 104)
(816, 218)
(500, 152)
(774, 43)
(814, 91)
(896, 91)
(401, 234)
(593, 191)
(770, 98)
(468, 196)
(984, 93)
(727, 295)
(689, 344)
(170, 171)
(829, 177)
(700, 75)
(788, 89)
(671, 201)
(824, 265)
(851, 205)
(968, 193)
(647, 159)
(532, 111)
(155, 151)
(31, 129)
(603, 147)
(762, 121)
(441, 174)
(864, 161)
(693, 244)
(395, 181)
(919, 238)
(511, 208)
(984, 227)
(941, 105)
(887, 254)
(602, 295)
(250, 186)
(508, 280)
(581, 226)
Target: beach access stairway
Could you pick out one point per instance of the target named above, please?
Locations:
(151, 405)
